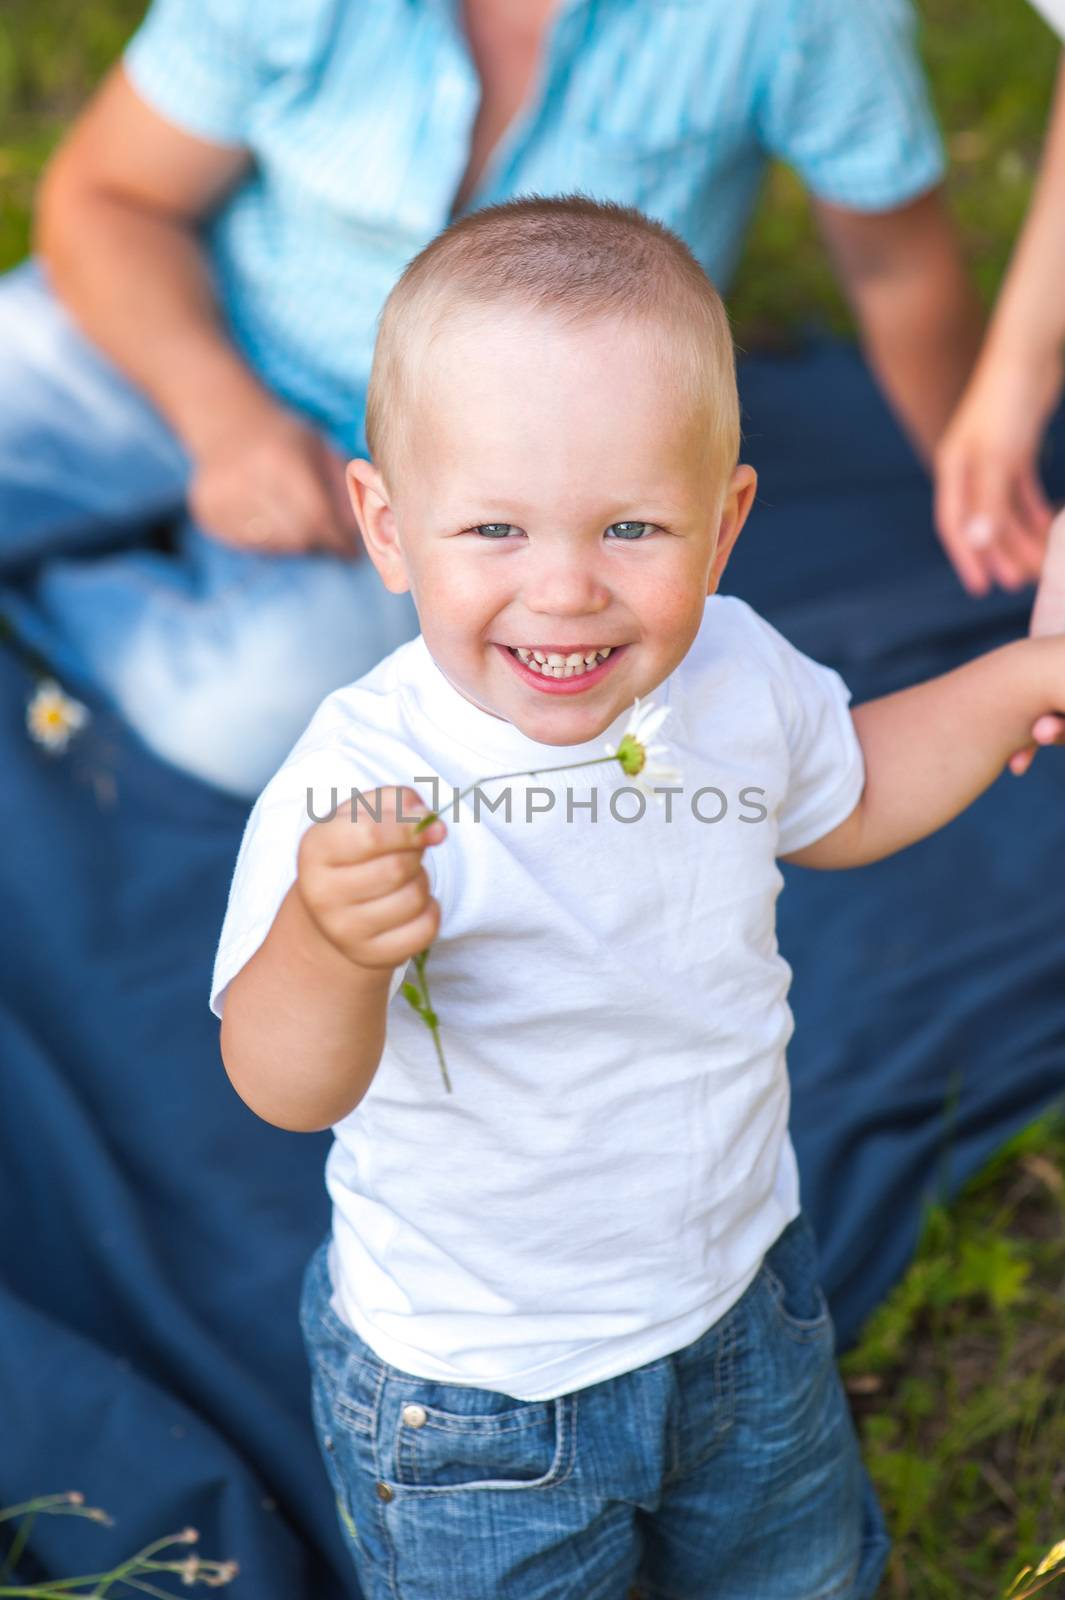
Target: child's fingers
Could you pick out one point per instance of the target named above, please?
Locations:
(1049, 729)
(364, 920)
(383, 822)
(397, 945)
(1046, 730)
(354, 883)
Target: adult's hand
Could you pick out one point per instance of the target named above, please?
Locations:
(119, 225)
(271, 483)
(1048, 616)
(991, 513)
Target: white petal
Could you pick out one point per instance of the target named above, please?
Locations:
(653, 720)
(633, 724)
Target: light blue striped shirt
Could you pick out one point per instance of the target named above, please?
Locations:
(359, 115)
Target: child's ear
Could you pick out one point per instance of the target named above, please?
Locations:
(739, 498)
(368, 493)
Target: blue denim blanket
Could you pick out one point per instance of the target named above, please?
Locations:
(153, 1232)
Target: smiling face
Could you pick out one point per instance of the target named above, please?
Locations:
(556, 498)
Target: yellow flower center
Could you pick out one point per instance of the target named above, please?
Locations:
(632, 755)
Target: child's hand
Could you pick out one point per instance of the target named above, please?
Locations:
(1048, 616)
(364, 884)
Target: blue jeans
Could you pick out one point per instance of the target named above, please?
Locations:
(217, 657)
(729, 1470)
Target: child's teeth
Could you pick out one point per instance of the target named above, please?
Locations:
(552, 664)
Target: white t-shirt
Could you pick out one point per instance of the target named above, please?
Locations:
(614, 1161)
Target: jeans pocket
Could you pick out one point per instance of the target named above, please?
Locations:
(445, 1439)
(323, 1404)
(790, 1271)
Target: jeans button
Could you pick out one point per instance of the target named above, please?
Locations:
(328, 1441)
(414, 1416)
(383, 1492)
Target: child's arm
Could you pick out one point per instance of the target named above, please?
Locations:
(931, 750)
(303, 1027)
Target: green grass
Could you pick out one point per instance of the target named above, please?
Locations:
(959, 1380)
(992, 69)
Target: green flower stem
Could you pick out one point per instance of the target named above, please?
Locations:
(1044, 1583)
(417, 994)
(43, 1502)
(70, 1588)
(29, 1510)
(537, 772)
(131, 1572)
(18, 1544)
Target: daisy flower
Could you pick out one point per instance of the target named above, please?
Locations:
(637, 756)
(638, 759)
(53, 717)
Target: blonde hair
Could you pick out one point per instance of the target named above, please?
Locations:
(577, 259)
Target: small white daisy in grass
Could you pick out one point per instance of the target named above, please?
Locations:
(633, 754)
(53, 717)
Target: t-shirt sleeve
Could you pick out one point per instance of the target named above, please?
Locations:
(297, 796)
(197, 63)
(826, 768)
(845, 102)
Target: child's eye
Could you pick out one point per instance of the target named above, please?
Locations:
(630, 530)
(495, 530)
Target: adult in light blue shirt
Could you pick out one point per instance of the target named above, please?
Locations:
(217, 234)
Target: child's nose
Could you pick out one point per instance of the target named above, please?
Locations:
(565, 585)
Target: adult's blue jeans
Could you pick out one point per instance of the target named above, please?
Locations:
(729, 1470)
(217, 657)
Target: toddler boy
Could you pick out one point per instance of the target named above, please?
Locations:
(566, 1333)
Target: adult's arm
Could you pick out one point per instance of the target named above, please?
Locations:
(117, 225)
(845, 102)
(917, 310)
(988, 490)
